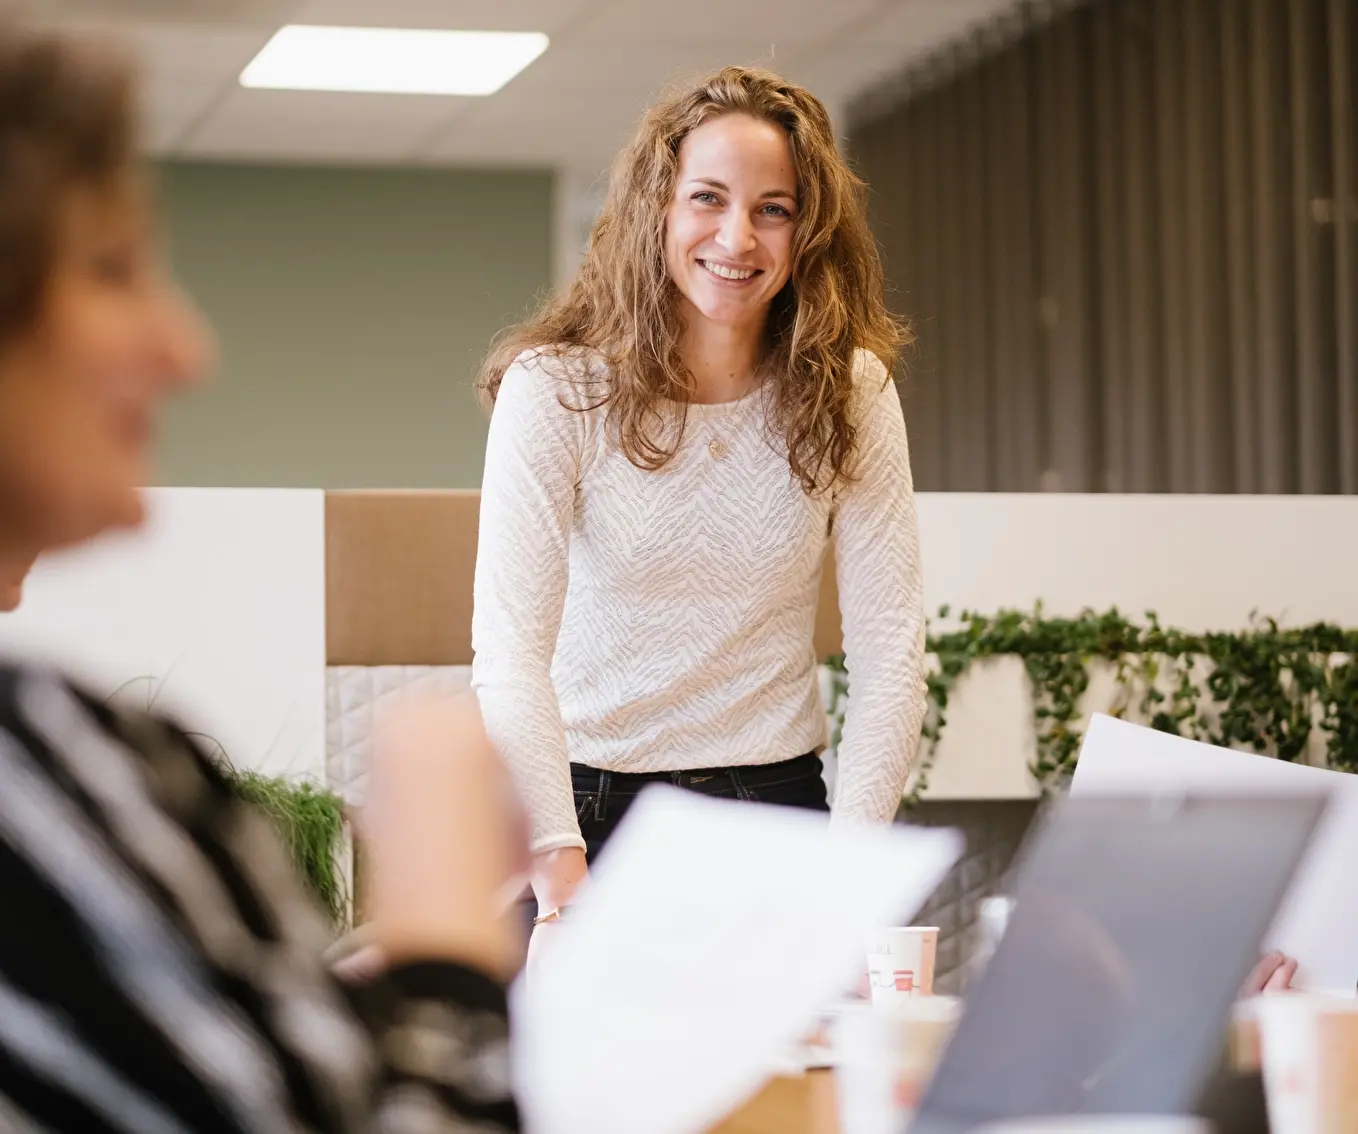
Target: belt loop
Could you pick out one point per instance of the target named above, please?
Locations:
(742, 792)
(601, 800)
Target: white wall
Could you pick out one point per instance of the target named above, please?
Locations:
(1200, 562)
(214, 612)
(220, 602)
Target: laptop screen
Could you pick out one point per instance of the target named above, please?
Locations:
(1135, 924)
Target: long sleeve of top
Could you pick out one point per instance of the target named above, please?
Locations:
(877, 571)
(160, 965)
(528, 498)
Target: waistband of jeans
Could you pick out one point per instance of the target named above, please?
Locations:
(810, 759)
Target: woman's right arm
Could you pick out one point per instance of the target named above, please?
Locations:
(533, 456)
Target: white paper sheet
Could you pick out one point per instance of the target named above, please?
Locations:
(1318, 921)
(712, 935)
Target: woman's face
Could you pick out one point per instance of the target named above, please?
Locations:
(82, 389)
(729, 228)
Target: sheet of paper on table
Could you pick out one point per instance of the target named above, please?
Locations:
(1318, 921)
(712, 934)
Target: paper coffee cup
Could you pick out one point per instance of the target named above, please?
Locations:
(884, 1057)
(901, 963)
(1244, 1049)
(1309, 1045)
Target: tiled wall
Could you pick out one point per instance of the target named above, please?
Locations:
(993, 830)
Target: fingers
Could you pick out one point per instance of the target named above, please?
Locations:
(1262, 973)
(1274, 973)
(1282, 976)
(361, 967)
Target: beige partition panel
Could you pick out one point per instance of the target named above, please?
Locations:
(399, 568)
(829, 641)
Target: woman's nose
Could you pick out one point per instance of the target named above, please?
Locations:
(186, 343)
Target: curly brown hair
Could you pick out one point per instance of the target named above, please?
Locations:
(622, 307)
(67, 121)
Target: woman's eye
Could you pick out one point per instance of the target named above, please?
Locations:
(705, 198)
(776, 211)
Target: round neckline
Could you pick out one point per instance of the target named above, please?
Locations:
(719, 409)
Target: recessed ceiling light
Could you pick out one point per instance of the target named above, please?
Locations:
(392, 60)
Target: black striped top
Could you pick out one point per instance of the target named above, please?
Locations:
(160, 966)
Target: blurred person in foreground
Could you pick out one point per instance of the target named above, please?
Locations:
(13, 571)
(160, 966)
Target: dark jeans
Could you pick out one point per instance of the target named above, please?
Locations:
(603, 798)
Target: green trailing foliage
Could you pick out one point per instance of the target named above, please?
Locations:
(310, 821)
(1267, 689)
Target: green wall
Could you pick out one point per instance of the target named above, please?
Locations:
(353, 307)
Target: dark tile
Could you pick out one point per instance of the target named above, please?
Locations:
(994, 831)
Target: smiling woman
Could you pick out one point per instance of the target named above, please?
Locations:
(675, 442)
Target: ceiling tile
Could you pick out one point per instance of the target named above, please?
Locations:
(310, 126)
(195, 52)
(170, 109)
(579, 131)
(781, 25)
(903, 34)
(185, 69)
(583, 66)
(573, 107)
(840, 75)
(460, 15)
(123, 12)
(920, 26)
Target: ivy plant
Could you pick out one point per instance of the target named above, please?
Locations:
(1266, 688)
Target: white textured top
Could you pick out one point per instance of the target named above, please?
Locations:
(661, 621)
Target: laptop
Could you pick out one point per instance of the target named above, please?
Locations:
(1136, 921)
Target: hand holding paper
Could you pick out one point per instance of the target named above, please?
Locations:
(1318, 922)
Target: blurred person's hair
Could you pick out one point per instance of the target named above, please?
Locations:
(621, 311)
(67, 123)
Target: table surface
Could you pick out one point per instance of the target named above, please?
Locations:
(802, 1105)
(806, 1104)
